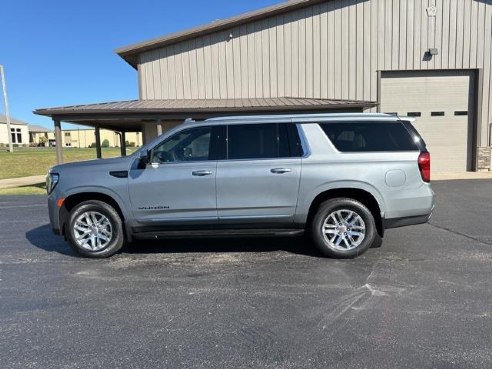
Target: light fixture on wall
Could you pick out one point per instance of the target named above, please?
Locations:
(433, 51)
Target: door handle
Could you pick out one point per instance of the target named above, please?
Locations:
(280, 170)
(201, 173)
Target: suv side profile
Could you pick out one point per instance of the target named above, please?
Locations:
(341, 178)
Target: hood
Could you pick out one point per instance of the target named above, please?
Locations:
(123, 161)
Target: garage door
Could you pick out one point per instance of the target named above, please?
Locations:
(442, 104)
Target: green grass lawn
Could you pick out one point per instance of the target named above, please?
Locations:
(36, 161)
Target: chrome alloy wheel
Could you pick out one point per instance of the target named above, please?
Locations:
(344, 230)
(92, 231)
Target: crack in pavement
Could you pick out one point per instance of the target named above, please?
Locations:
(461, 234)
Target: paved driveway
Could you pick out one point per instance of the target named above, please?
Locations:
(424, 300)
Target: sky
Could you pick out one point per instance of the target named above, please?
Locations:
(61, 52)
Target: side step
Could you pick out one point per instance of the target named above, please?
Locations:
(219, 233)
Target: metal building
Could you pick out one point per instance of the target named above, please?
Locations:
(429, 59)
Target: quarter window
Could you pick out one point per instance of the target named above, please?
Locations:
(369, 137)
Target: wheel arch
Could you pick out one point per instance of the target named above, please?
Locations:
(361, 195)
(76, 198)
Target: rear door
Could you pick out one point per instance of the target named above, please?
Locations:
(258, 183)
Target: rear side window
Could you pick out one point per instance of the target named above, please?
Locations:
(369, 136)
(262, 141)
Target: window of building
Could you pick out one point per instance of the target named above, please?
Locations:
(369, 137)
(16, 135)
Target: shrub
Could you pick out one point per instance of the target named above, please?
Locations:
(92, 145)
(130, 144)
(105, 143)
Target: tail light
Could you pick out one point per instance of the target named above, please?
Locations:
(424, 161)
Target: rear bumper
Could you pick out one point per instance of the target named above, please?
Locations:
(406, 221)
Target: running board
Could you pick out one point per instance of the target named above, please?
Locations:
(219, 233)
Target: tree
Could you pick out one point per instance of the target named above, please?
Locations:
(105, 143)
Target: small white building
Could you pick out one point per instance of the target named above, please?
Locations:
(18, 131)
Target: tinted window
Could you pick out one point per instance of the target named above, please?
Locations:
(369, 136)
(262, 141)
(189, 145)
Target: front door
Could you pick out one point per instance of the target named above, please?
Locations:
(178, 186)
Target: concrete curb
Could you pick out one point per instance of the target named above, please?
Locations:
(22, 181)
(460, 175)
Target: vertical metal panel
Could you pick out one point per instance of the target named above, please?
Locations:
(207, 57)
(280, 54)
(329, 50)
(365, 72)
(460, 11)
(467, 44)
(316, 31)
(325, 57)
(487, 76)
(338, 48)
(431, 32)
(438, 34)
(237, 79)
(452, 33)
(272, 53)
(309, 57)
(302, 65)
(417, 11)
(244, 61)
(424, 33)
(473, 34)
(229, 57)
(395, 35)
(410, 33)
(332, 55)
(403, 34)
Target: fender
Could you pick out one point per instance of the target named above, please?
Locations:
(304, 203)
(100, 190)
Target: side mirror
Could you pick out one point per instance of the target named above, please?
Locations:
(144, 159)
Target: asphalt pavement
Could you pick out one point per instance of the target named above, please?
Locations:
(422, 300)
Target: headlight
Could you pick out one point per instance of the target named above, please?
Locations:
(51, 181)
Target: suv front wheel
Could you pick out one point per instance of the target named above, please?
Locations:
(95, 229)
(343, 228)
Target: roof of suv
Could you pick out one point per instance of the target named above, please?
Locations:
(301, 118)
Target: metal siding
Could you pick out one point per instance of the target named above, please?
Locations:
(330, 50)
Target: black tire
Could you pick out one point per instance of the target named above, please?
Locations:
(117, 238)
(342, 204)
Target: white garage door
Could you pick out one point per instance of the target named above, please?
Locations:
(442, 104)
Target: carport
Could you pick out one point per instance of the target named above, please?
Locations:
(153, 117)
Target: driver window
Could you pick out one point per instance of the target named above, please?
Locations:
(188, 145)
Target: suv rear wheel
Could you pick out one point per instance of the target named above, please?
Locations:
(95, 229)
(343, 228)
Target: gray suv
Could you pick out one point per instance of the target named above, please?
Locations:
(341, 178)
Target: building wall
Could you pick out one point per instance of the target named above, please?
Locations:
(330, 50)
(4, 134)
(86, 137)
